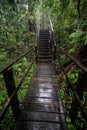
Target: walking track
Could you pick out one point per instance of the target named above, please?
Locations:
(42, 107)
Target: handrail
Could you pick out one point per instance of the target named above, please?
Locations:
(14, 92)
(37, 32)
(51, 25)
(37, 39)
(79, 64)
(52, 38)
(14, 61)
(73, 90)
(8, 76)
(83, 68)
(52, 31)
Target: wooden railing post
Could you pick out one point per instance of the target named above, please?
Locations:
(54, 52)
(10, 86)
(36, 53)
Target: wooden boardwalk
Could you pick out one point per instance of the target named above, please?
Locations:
(42, 107)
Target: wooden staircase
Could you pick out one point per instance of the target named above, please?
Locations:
(44, 47)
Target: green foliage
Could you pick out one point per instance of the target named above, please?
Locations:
(67, 97)
(85, 39)
(64, 15)
(23, 90)
(3, 97)
(73, 76)
(80, 121)
(77, 37)
(8, 122)
(14, 25)
(2, 55)
(70, 125)
(14, 17)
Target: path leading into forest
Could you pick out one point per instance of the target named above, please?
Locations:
(42, 108)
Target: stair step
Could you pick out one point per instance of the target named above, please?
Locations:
(45, 56)
(43, 47)
(44, 30)
(44, 33)
(43, 39)
(43, 42)
(44, 60)
(42, 53)
(44, 36)
(45, 51)
(46, 41)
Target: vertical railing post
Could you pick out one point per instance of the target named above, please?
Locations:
(54, 52)
(10, 86)
(37, 40)
(54, 46)
(36, 53)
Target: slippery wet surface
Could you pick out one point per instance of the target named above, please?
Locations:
(42, 108)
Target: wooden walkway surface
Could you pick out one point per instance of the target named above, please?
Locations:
(42, 107)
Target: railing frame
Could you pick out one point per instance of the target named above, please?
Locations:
(10, 86)
(7, 72)
(80, 65)
(71, 86)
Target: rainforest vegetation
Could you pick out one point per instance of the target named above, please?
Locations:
(18, 22)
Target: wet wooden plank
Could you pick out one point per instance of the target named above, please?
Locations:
(40, 107)
(37, 126)
(47, 107)
(44, 95)
(41, 117)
